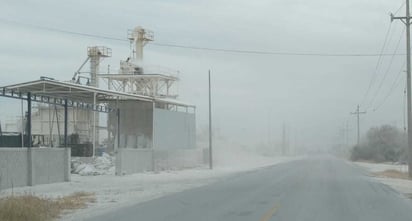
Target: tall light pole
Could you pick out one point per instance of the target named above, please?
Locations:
(407, 21)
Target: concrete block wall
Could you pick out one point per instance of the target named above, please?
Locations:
(32, 166)
(178, 159)
(50, 165)
(13, 167)
(129, 160)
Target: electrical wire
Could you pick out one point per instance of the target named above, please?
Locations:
(403, 4)
(387, 70)
(61, 30)
(378, 63)
(394, 85)
(274, 52)
(223, 50)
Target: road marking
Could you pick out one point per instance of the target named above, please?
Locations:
(270, 213)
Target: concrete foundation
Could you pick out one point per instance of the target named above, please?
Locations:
(33, 166)
(129, 161)
(177, 159)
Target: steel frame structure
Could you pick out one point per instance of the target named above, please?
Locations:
(68, 95)
(153, 85)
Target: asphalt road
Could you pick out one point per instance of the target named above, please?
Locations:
(311, 189)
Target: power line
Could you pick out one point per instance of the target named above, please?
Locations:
(400, 7)
(275, 53)
(394, 85)
(378, 63)
(224, 50)
(387, 70)
(62, 31)
(397, 79)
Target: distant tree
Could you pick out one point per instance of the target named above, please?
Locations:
(385, 143)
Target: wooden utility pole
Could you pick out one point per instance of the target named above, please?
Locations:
(357, 112)
(407, 21)
(210, 127)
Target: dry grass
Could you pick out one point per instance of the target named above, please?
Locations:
(365, 161)
(393, 174)
(33, 208)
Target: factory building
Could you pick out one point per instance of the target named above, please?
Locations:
(133, 113)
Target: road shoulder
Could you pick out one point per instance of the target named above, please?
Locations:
(377, 171)
(113, 192)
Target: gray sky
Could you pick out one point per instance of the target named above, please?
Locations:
(253, 94)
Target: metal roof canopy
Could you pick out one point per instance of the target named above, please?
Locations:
(52, 91)
(62, 93)
(68, 94)
(81, 96)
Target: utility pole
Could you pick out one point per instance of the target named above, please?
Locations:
(357, 112)
(346, 134)
(407, 21)
(210, 127)
(284, 139)
(269, 128)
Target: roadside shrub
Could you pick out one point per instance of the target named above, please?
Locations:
(385, 143)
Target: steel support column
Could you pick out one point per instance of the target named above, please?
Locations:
(65, 122)
(29, 119)
(118, 128)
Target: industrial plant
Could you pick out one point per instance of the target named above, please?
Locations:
(132, 113)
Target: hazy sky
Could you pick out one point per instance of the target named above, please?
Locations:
(253, 94)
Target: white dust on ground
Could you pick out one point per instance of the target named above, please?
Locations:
(401, 185)
(114, 192)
